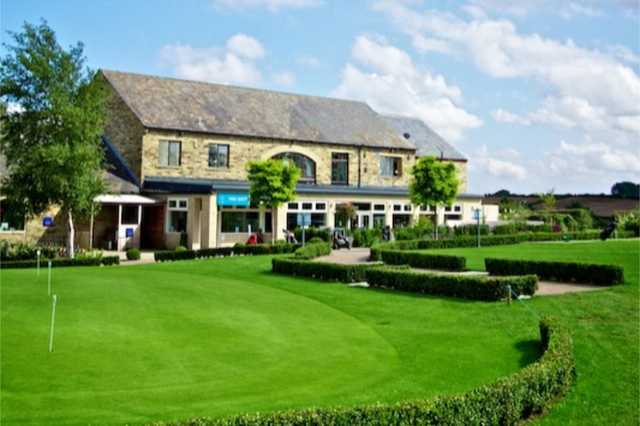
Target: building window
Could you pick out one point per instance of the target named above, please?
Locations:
(306, 165)
(240, 221)
(390, 166)
(457, 208)
(170, 153)
(378, 207)
(339, 168)
(10, 220)
(401, 220)
(295, 220)
(218, 155)
(177, 215)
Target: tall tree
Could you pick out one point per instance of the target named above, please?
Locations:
(626, 190)
(433, 183)
(52, 145)
(272, 183)
(548, 201)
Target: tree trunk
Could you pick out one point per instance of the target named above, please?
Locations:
(70, 236)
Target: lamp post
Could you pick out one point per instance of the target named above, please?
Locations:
(476, 215)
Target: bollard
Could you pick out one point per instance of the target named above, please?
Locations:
(49, 278)
(509, 294)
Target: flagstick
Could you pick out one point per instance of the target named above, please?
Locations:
(53, 320)
(49, 279)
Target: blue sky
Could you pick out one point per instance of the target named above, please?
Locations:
(539, 94)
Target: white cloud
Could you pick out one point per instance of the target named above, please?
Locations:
(593, 159)
(587, 88)
(271, 5)
(503, 116)
(245, 46)
(390, 82)
(564, 9)
(285, 78)
(499, 164)
(236, 63)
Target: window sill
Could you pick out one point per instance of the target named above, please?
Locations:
(168, 167)
(16, 232)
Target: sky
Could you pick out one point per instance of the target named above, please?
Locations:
(539, 94)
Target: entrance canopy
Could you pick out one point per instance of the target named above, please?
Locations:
(123, 199)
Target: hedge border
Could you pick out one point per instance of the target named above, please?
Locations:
(238, 249)
(62, 262)
(485, 241)
(324, 271)
(424, 260)
(507, 401)
(469, 287)
(584, 273)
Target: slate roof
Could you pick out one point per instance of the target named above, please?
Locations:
(423, 137)
(172, 104)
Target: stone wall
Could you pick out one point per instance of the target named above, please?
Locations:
(195, 156)
(124, 130)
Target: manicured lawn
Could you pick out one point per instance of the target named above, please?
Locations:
(225, 336)
(605, 325)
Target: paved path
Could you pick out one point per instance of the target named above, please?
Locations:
(545, 288)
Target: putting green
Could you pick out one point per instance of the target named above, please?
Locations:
(219, 337)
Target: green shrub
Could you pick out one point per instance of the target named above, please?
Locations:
(312, 232)
(61, 262)
(423, 260)
(470, 229)
(133, 254)
(363, 237)
(315, 240)
(558, 271)
(320, 270)
(238, 249)
(508, 401)
(88, 254)
(313, 250)
(466, 287)
(25, 251)
(422, 230)
(180, 248)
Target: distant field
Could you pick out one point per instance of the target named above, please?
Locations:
(225, 336)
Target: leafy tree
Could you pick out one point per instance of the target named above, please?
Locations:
(433, 183)
(548, 201)
(345, 212)
(52, 146)
(272, 183)
(626, 190)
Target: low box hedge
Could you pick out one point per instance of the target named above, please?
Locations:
(485, 241)
(320, 270)
(61, 262)
(508, 401)
(584, 273)
(423, 260)
(313, 250)
(471, 287)
(238, 249)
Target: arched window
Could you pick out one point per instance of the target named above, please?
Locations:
(306, 165)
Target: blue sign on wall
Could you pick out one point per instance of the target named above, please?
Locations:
(47, 221)
(233, 199)
(129, 232)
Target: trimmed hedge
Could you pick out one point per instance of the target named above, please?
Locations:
(423, 260)
(488, 240)
(507, 401)
(62, 262)
(585, 273)
(238, 249)
(321, 270)
(471, 287)
(313, 250)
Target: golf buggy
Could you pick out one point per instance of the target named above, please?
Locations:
(340, 239)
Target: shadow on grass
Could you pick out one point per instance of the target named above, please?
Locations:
(530, 351)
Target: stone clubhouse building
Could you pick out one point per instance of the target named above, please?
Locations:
(178, 152)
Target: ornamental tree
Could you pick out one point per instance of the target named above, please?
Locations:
(52, 139)
(272, 183)
(433, 183)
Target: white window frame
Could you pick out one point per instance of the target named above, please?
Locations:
(167, 142)
(180, 205)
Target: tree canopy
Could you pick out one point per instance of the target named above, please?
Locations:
(52, 141)
(434, 182)
(626, 190)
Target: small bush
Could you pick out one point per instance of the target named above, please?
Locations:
(180, 248)
(465, 287)
(315, 240)
(320, 270)
(312, 232)
(507, 401)
(10, 251)
(313, 250)
(423, 260)
(238, 249)
(366, 237)
(558, 271)
(61, 262)
(133, 254)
